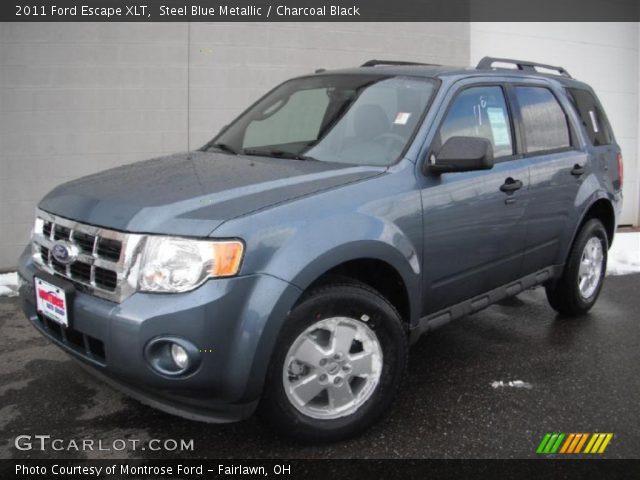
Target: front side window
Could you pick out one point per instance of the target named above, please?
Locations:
(480, 112)
(356, 119)
(545, 123)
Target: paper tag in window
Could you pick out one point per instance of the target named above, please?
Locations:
(402, 118)
(499, 126)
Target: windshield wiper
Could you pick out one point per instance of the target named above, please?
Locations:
(224, 147)
(276, 153)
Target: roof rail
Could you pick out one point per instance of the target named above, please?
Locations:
(373, 63)
(487, 64)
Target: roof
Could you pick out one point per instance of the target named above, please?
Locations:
(485, 68)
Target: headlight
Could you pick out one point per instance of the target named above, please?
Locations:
(178, 264)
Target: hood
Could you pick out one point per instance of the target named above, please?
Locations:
(193, 193)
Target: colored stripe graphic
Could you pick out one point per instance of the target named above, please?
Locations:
(594, 437)
(550, 443)
(567, 442)
(573, 443)
(581, 443)
(555, 447)
(605, 442)
(543, 443)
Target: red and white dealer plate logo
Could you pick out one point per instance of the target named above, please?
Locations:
(51, 301)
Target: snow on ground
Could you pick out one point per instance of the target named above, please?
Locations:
(624, 256)
(8, 284)
(512, 383)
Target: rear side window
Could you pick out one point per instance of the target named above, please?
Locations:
(544, 122)
(480, 112)
(593, 118)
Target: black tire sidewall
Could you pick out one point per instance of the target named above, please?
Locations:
(593, 228)
(351, 301)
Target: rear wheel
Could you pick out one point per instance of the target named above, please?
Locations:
(578, 288)
(337, 364)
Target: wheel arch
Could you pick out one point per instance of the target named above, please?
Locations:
(375, 264)
(377, 274)
(602, 209)
(344, 258)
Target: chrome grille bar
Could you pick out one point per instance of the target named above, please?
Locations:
(124, 271)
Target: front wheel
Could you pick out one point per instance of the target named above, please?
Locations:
(578, 288)
(337, 364)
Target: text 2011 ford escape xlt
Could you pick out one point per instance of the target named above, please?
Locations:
(287, 265)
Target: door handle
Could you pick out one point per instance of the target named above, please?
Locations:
(510, 185)
(578, 170)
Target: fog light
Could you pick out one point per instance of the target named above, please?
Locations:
(179, 356)
(172, 356)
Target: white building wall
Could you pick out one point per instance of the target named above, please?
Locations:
(77, 98)
(604, 55)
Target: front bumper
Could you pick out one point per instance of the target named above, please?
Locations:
(234, 321)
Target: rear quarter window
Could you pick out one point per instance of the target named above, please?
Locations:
(545, 124)
(591, 115)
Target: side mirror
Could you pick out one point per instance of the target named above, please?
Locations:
(462, 154)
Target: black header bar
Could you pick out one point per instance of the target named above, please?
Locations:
(318, 10)
(316, 469)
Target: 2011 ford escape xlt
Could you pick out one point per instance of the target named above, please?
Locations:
(287, 265)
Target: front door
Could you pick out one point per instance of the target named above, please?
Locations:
(473, 221)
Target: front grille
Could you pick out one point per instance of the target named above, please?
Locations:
(46, 229)
(101, 260)
(110, 249)
(61, 233)
(81, 272)
(106, 279)
(59, 267)
(85, 243)
(44, 254)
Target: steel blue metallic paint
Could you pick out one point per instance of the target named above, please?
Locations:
(449, 237)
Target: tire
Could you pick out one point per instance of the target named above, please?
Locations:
(573, 295)
(329, 312)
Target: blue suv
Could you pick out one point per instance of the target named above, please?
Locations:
(287, 265)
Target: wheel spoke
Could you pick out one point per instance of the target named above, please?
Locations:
(308, 388)
(590, 269)
(309, 352)
(584, 269)
(342, 338)
(599, 257)
(340, 395)
(582, 283)
(361, 364)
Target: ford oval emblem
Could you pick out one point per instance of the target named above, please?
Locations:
(64, 253)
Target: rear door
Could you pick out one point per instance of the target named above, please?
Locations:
(557, 169)
(473, 231)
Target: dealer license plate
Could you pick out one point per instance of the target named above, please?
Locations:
(51, 301)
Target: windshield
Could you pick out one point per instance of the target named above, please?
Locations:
(355, 119)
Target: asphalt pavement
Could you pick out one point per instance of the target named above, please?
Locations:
(578, 375)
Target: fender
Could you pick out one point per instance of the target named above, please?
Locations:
(592, 199)
(313, 249)
(326, 252)
(365, 249)
(272, 323)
